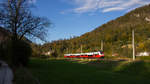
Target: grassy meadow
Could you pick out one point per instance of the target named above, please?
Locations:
(89, 72)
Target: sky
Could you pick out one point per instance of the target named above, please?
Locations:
(75, 17)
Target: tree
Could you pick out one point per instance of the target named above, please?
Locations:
(16, 17)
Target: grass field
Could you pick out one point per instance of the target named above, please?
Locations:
(94, 72)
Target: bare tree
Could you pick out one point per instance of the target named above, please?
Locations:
(16, 17)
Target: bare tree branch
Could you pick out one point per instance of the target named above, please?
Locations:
(15, 16)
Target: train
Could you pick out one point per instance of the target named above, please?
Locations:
(98, 54)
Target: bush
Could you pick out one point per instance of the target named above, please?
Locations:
(5, 51)
(54, 54)
(16, 53)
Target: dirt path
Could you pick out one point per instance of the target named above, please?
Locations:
(6, 74)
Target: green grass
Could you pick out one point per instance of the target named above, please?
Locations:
(23, 77)
(145, 58)
(95, 72)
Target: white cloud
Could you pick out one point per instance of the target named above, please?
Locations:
(84, 6)
(113, 9)
(89, 5)
(32, 1)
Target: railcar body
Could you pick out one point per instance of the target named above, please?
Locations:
(98, 54)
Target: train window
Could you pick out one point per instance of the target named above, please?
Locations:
(101, 52)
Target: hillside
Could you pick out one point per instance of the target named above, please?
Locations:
(115, 34)
(4, 35)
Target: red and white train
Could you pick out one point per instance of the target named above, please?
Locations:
(98, 54)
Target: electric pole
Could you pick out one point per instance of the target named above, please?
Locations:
(81, 48)
(102, 45)
(133, 44)
(102, 42)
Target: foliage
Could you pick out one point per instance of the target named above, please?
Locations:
(36, 50)
(21, 52)
(16, 53)
(54, 54)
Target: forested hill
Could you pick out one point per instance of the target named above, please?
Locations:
(116, 35)
(5, 35)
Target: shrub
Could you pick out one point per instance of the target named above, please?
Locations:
(4, 52)
(16, 52)
(54, 54)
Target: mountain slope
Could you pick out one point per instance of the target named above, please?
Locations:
(5, 35)
(115, 34)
